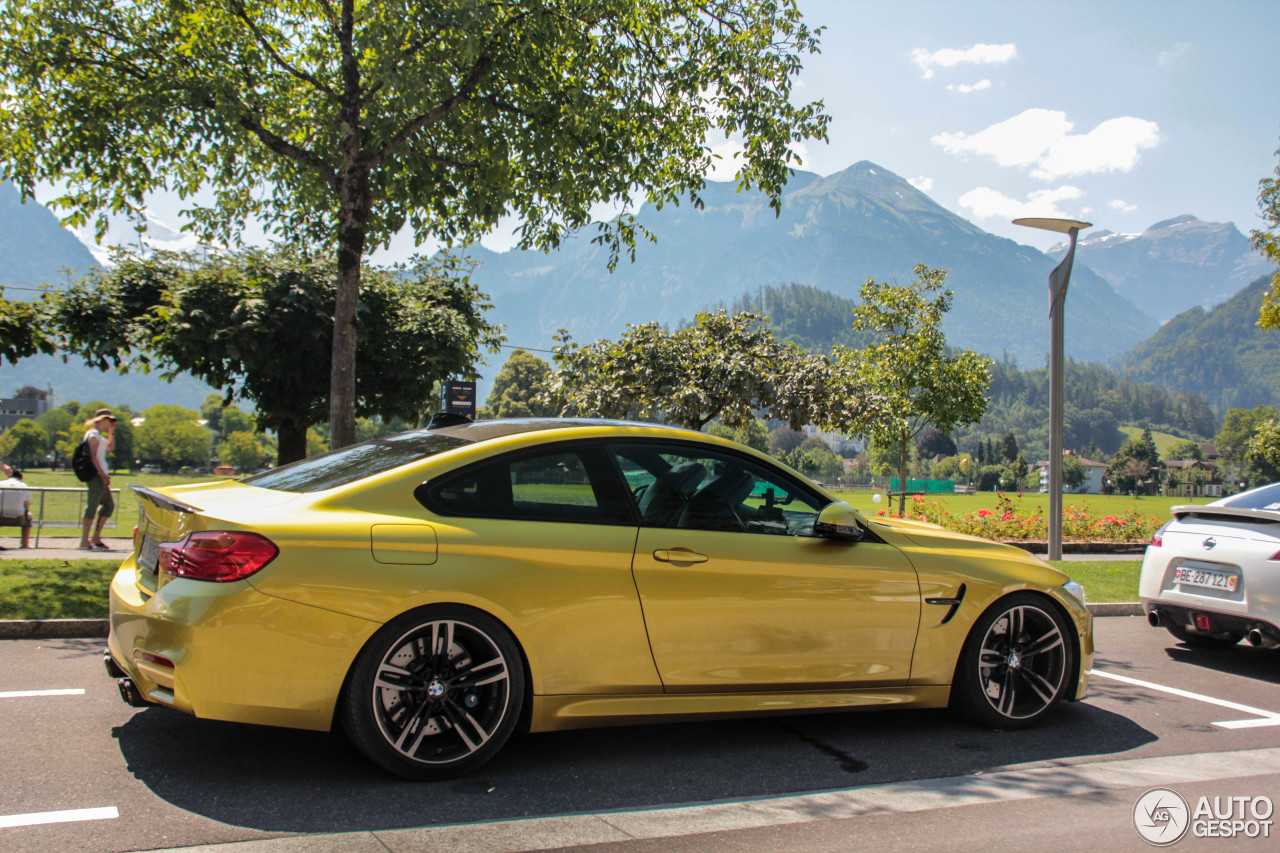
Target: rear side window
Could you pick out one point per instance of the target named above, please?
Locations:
(355, 462)
(1264, 497)
(563, 484)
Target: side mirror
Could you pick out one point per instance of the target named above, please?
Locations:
(838, 520)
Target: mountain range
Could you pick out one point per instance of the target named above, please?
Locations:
(833, 233)
(1172, 265)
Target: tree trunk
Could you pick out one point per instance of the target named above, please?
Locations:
(291, 443)
(902, 476)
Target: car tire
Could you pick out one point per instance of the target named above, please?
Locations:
(1203, 641)
(435, 693)
(1016, 664)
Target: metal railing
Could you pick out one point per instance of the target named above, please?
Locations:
(38, 509)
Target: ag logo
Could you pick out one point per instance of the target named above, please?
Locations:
(1161, 816)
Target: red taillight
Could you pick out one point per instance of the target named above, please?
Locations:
(1157, 538)
(217, 555)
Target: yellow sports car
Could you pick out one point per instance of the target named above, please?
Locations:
(437, 589)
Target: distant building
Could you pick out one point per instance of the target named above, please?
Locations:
(1093, 480)
(16, 409)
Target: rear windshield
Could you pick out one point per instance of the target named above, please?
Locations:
(1263, 497)
(340, 467)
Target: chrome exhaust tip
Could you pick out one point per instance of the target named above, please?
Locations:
(130, 693)
(1153, 618)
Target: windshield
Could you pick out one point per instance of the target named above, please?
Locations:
(1263, 497)
(340, 467)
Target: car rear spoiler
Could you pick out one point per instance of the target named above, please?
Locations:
(162, 501)
(1269, 516)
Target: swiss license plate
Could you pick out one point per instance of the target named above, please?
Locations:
(1208, 578)
(149, 555)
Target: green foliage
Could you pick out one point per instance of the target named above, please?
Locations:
(815, 462)
(339, 125)
(22, 331)
(1267, 241)
(724, 367)
(1134, 463)
(1184, 450)
(260, 325)
(232, 419)
(1074, 473)
(24, 442)
(917, 384)
(753, 434)
(519, 389)
(171, 435)
(242, 450)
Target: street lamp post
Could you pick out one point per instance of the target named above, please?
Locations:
(1058, 281)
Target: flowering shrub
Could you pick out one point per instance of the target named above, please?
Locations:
(1007, 521)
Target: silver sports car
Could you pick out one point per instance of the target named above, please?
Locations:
(1212, 574)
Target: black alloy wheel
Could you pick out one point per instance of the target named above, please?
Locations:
(1015, 664)
(435, 693)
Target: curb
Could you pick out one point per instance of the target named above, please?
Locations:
(53, 629)
(71, 629)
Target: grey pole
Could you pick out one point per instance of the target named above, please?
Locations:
(1059, 279)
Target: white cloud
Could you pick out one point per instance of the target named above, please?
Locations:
(1043, 139)
(1112, 146)
(1018, 141)
(1121, 205)
(986, 203)
(979, 54)
(965, 89)
(921, 183)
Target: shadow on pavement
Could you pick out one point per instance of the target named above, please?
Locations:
(1242, 659)
(283, 780)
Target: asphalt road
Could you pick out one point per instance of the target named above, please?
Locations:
(885, 780)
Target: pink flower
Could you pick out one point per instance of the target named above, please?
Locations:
(983, 513)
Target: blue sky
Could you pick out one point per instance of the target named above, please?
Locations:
(1119, 113)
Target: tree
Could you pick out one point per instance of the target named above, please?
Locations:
(171, 434)
(518, 389)
(1267, 241)
(1185, 450)
(1019, 470)
(259, 324)
(934, 442)
(22, 331)
(783, 440)
(340, 123)
(723, 367)
(233, 419)
(916, 382)
(242, 450)
(1009, 447)
(1133, 462)
(1073, 472)
(24, 441)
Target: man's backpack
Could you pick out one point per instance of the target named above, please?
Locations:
(82, 463)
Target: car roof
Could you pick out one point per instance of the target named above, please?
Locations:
(484, 430)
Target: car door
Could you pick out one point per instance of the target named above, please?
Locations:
(737, 592)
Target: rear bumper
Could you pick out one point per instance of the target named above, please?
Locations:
(229, 652)
(1204, 620)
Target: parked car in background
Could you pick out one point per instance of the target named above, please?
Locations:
(1211, 575)
(152, 469)
(433, 590)
(225, 470)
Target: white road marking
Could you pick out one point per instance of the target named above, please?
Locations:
(1269, 718)
(22, 694)
(66, 816)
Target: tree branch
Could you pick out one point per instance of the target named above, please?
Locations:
(313, 81)
(285, 148)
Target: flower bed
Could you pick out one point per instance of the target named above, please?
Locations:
(1007, 521)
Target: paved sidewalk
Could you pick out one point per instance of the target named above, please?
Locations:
(63, 548)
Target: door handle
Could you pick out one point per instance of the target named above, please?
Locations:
(679, 555)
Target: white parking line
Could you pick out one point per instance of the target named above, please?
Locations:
(1269, 718)
(66, 816)
(22, 694)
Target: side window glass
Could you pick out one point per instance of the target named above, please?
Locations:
(696, 489)
(549, 486)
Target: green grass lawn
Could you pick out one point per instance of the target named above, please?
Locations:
(1104, 580)
(55, 589)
